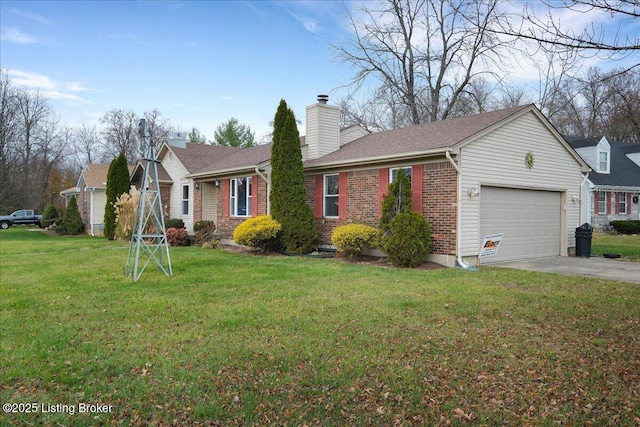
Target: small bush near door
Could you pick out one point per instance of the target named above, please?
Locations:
(177, 236)
(261, 232)
(408, 240)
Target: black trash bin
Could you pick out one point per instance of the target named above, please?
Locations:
(583, 240)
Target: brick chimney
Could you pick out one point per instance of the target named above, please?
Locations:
(322, 129)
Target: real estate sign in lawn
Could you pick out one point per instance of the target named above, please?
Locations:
(235, 339)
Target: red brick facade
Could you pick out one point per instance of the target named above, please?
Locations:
(360, 196)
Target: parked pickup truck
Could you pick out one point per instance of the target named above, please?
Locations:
(23, 216)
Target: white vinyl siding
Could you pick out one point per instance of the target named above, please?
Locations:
(177, 171)
(497, 159)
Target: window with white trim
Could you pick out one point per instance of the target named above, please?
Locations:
(240, 196)
(185, 200)
(331, 194)
(393, 173)
(603, 161)
(622, 203)
(602, 203)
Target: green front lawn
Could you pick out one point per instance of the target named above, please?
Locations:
(235, 339)
(626, 245)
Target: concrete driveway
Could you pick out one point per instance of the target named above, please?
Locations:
(602, 268)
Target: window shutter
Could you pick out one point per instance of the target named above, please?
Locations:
(383, 185)
(254, 195)
(319, 196)
(628, 203)
(342, 195)
(225, 196)
(616, 201)
(416, 187)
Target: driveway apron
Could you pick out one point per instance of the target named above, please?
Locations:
(602, 268)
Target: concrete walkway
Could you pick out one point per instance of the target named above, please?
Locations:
(602, 268)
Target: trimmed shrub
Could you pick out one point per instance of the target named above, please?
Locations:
(205, 234)
(353, 239)
(177, 236)
(125, 209)
(626, 227)
(72, 222)
(49, 216)
(408, 240)
(173, 223)
(261, 232)
(203, 224)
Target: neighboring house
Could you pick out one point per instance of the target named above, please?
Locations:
(613, 185)
(177, 159)
(91, 196)
(506, 171)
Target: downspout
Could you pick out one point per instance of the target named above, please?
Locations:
(91, 213)
(461, 263)
(265, 179)
(585, 177)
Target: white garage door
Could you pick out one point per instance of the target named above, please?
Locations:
(528, 219)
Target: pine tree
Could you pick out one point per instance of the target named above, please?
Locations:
(397, 200)
(72, 222)
(288, 195)
(117, 184)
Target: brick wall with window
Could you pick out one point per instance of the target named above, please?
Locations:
(226, 222)
(434, 194)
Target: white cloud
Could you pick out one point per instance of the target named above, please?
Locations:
(33, 17)
(14, 35)
(49, 87)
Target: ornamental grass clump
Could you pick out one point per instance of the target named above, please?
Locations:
(125, 209)
(261, 232)
(353, 239)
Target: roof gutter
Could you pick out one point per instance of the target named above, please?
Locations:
(375, 159)
(460, 262)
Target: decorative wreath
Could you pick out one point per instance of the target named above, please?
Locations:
(529, 160)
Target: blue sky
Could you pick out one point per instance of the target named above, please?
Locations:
(198, 62)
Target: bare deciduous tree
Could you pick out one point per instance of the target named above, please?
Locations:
(543, 25)
(422, 54)
(120, 134)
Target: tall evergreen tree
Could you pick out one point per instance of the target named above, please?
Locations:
(117, 184)
(288, 195)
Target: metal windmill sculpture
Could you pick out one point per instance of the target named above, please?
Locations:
(149, 237)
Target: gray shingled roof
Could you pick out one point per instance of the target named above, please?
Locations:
(623, 172)
(198, 156)
(244, 158)
(426, 137)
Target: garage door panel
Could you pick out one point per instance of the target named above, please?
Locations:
(529, 221)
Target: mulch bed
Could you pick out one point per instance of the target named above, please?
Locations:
(363, 260)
